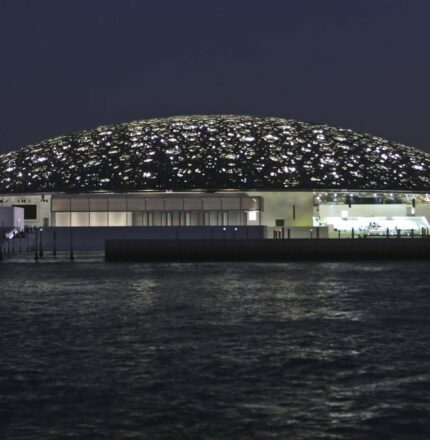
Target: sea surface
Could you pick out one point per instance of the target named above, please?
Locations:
(90, 350)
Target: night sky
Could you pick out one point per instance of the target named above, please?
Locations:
(76, 64)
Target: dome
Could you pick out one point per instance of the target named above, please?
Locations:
(214, 153)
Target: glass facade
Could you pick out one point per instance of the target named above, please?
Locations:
(156, 210)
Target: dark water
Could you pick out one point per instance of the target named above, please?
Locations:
(223, 351)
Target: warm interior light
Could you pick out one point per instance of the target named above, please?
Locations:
(377, 224)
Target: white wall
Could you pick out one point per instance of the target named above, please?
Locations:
(12, 217)
(422, 209)
(389, 210)
(18, 218)
(43, 204)
(280, 205)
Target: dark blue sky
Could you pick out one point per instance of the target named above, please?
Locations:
(74, 64)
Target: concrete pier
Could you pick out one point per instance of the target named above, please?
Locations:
(266, 250)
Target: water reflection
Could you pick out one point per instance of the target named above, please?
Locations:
(214, 350)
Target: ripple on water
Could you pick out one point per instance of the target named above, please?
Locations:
(303, 351)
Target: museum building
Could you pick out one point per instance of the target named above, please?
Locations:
(220, 170)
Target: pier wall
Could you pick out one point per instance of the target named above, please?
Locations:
(93, 238)
(266, 250)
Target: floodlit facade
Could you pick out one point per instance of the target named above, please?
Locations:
(220, 171)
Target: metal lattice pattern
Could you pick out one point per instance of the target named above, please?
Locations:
(214, 152)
